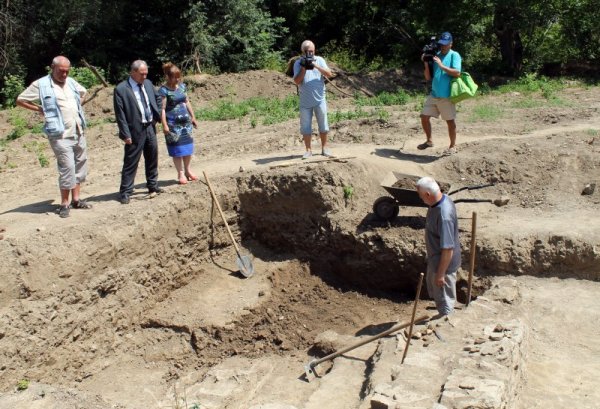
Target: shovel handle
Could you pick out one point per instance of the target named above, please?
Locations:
(412, 318)
(470, 188)
(395, 328)
(212, 193)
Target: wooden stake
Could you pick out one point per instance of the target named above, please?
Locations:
(412, 319)
(95, 71)
(472, 261)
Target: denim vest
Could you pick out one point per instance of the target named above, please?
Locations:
(54, 125)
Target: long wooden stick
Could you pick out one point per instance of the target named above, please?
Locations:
(412, 319)
(95, 71)
(310, 366)
(214, 197)
(472, 261)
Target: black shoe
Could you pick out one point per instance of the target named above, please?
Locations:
(124, 199)
(157, 190)
(63, 212)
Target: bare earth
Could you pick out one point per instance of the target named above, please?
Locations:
(143, 305)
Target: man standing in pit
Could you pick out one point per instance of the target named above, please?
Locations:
(442, 243)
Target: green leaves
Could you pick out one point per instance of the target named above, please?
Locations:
(233, 35)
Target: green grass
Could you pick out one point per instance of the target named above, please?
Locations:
(528, 103)
(23, 384)
(268, 110)
(338, 116)
(531, 83)
(592, 132)
(385, 98)
(20, 126)
(486, 113)
(37, 148)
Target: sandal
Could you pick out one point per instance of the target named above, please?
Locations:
(63, 212)
(425, 145)
(80, 204)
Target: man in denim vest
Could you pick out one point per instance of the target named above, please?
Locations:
(58, 98)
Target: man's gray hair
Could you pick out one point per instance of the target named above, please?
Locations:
(137, 64)
(60, 60)
(305, 45)
(428, 184)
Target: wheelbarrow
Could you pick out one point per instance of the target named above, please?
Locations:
(403, 189)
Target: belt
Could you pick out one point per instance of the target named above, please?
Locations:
(146, 124)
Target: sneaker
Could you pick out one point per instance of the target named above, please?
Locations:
(64, 211)
(307, 154)
(327, 153)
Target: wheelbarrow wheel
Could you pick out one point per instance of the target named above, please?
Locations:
(386, 208)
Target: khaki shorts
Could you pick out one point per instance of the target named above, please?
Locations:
(436, 106)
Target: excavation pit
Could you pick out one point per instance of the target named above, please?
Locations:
(164, 300)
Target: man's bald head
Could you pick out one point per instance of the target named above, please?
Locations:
(60, 69)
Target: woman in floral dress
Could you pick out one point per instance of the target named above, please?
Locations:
(177, 121)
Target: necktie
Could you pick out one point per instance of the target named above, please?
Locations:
(145, 104)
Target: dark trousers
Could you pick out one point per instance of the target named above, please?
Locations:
(143, 143)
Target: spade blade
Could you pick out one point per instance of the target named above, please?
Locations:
(245, 265)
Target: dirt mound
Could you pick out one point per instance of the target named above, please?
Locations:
(238, 87)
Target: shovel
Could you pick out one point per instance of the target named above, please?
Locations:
(309, 368)
(243, 262)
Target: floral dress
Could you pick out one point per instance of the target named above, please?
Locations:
(179, 121)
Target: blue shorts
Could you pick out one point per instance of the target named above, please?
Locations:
(306, 118)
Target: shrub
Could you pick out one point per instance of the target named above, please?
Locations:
(13, 86)
(85, 76)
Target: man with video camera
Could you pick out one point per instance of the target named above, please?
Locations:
(310, 72)
(446, 64)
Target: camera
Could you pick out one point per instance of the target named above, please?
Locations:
(308, 61)
(430, 50)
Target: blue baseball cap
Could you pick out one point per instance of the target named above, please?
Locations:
(445, 38)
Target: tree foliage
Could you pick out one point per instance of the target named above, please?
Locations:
(233, 35)
(509, 37)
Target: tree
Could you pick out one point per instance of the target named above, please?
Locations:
(232, 35)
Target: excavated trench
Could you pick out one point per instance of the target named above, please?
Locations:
(333, 265)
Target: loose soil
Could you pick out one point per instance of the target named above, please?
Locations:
(142, 305)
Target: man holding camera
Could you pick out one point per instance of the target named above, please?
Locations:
(446, 64)
(310, 72)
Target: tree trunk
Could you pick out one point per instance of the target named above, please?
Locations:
(511, 47)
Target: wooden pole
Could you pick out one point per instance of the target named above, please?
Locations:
(472, 261)
(311, 365)
(412, 319)
(214, 198)
(95, 71)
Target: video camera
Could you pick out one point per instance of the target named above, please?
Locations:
(430, 50)
(308, 61)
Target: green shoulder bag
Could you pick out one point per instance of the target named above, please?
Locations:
(462, 87)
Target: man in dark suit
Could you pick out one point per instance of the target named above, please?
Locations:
(137, 110)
